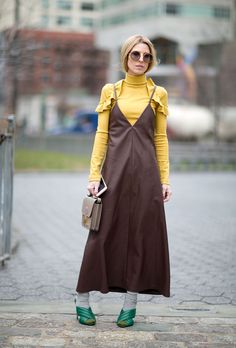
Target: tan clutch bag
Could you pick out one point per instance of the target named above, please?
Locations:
(91, 212)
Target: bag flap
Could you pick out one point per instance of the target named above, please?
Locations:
(87, 206)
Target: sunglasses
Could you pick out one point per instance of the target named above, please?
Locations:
(136, 55)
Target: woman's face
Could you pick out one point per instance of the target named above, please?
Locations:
(139, 59)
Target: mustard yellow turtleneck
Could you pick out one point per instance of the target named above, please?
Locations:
(133, 95)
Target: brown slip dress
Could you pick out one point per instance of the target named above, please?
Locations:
(130, 250)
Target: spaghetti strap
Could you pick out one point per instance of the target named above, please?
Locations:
(115, 92)
(152, 94)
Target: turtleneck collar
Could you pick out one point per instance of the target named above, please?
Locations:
(135, 79)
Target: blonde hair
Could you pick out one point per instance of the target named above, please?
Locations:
(129, 44)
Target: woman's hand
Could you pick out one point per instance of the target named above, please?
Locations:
(166, 192)
(93, 187)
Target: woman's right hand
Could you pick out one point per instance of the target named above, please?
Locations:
(93, 187)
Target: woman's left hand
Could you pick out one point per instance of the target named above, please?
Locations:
(166, 192)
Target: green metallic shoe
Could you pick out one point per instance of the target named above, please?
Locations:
(85, 316)
(125, 318)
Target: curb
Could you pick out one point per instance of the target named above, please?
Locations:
(109, 309)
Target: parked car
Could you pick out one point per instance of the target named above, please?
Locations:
(84, 122)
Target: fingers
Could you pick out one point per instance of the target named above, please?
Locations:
(93, 187)
(166, 192)
(167, 197)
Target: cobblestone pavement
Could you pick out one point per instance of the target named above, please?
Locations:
(54, 330)
(46, 219)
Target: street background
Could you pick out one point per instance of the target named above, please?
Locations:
(55, 56)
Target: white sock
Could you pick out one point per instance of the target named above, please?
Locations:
(83, 299)
(130, 301)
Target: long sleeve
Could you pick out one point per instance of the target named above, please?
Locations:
(100, 146)
(101, 136)
(160, 139)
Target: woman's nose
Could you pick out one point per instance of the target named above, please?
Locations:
(141, 57)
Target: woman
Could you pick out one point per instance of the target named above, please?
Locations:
(129, 254)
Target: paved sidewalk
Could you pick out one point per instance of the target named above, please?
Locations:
(37, 285)
(47, 219)
(55, 325)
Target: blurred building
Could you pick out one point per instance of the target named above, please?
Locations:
(48, 60)
(48, 51)
(56, 15)
(176, 27)
(195, 43)
(49, 65)
(46, 67)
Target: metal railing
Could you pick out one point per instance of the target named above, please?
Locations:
(7, 126)
(216, 156)
(206, 155)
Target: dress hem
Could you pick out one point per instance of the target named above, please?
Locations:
(123, 290)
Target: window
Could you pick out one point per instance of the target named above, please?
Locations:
(46, 60)
(64, 4)
(46, 44)
(102, 4)
(172, 9)
(44, 21)
(87, 6)
(58, 65)
(45, 78)
(63, 20)
(117, 19)
(86, 22)
(107, 3)
(45, 3)
(221, 12)
(196, 10)
(148, 11)
(209, 54)
(58, 77)
(131, 15)
(166, 50)
(105, 22)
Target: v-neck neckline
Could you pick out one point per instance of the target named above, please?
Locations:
(126, 119)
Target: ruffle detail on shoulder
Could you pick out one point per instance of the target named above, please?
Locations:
(106, 105)
(163, 109)
(160, 98)
(107, 98)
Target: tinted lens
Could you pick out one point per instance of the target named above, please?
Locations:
(147, 57)
(135, 55)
